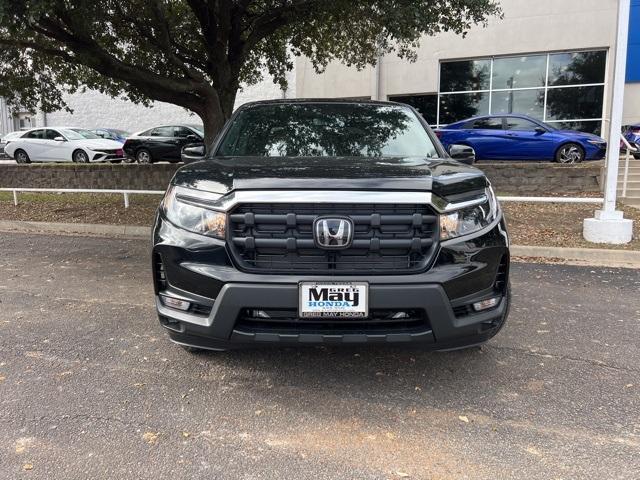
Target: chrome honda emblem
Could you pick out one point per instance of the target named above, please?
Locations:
(333, 233)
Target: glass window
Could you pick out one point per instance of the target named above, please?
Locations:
(577, 68)
(489, 123)
(519, 72)
(574, 103)
(183, 132)
(521, 124)
(427, 105)
(34, 134)
(198, 128)
(522, 84)
(83, 132)
(327, 129)
(467, 75)
(528, 102)
(77, 134)
(51, 134)
(458, 106)
(162, 132)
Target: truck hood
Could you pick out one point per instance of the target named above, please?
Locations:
(226, 174)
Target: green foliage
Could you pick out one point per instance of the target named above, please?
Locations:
(197, 53)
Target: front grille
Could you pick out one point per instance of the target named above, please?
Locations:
(277, 238)
(286, 321)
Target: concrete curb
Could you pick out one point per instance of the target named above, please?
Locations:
(585, 256)
(581, 256)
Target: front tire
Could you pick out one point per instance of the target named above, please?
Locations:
(570, 153)
(21, 156)
(143, 156)
(80, 156)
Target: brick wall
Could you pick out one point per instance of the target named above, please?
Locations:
(513, 178)
(539, 179)
(98, 176)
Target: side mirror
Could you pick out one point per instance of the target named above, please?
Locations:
(193, 138)
(462, 153)
(192, 153)
(540, 130)
(60, 139)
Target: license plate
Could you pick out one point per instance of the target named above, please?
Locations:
(333, 300)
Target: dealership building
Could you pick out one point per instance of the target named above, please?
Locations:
(551, 59)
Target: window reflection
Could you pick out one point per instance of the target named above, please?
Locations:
(577, 68)
(519, 72)
(519, 83)
(574, 103)
(319, 130)
(466, 75)
(427, 105)
(458, 106)
(528, 102)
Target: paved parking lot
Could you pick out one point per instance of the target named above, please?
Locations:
(90, 387)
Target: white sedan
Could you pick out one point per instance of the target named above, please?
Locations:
(62, 144)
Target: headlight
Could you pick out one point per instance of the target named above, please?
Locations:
(469, 219)
(196, 219)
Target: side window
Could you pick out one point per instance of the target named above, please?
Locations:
(34, 134)
(488, 124)
(182, 132)
(520, 124)
(162, 132)
(51, 134)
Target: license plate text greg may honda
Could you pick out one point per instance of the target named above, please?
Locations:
(334, 300)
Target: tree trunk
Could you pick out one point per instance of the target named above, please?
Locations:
(218, 109)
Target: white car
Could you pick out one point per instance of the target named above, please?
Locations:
(63, 144)
(6, 139)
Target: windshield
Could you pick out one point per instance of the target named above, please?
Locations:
(197, 128)
(78, 134)
(327, 130)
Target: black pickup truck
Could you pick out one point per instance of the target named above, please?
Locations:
(329, 222)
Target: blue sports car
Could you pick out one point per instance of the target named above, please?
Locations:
(519, 137)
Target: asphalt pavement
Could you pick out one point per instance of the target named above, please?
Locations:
(90, 388)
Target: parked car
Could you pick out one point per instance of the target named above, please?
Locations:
(112, 134)
(162, 143)
(632, 134)
(63, 144)
(519, 137)
(6, 139)
(329, 222)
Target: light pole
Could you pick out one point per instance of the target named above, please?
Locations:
(608, 224)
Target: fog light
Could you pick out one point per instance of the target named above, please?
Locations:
(486, 304)
(175, 303)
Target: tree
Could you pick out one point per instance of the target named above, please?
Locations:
(197, 53)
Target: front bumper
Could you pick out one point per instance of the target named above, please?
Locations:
(595, 152)
(199, 270)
